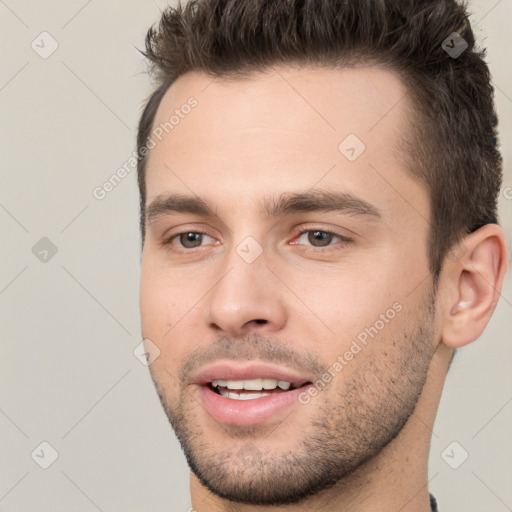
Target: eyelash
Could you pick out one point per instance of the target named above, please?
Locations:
(177, 235)
(343, 240)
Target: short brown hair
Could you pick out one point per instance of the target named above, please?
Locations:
(453, 144)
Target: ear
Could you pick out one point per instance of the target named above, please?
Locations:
(473, 285)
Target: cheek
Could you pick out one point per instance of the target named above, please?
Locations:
(155, 301)
(168, 308)
(348, 303)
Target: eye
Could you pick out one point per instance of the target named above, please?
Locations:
(319, 238)
(189, 239)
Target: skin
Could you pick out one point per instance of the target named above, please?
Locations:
(278, 132)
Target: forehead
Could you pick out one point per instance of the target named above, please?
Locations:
(286, 128)
(308, 102)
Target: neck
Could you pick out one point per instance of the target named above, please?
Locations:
(396, 479)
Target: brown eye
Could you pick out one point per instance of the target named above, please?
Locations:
(187, 241)
(191, 239)
(319, 238)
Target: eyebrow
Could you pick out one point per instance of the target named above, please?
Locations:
(319, 201)
(286, 204)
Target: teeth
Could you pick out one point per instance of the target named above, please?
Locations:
(254, 384)
(235, 384)
(251, 384)
(269, 383)
(241, 395)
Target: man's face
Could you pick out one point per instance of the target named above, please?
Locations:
(295, 259)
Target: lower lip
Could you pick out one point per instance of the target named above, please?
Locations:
(247, 412)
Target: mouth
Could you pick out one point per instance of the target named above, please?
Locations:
(251, 394)
(251, 389)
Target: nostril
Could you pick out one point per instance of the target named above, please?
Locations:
(260, 321)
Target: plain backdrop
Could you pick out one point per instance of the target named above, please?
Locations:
(70, 269)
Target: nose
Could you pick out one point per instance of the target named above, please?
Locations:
(248, 297)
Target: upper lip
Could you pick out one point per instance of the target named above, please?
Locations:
(249, 370)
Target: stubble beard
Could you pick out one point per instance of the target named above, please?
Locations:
(351, 425)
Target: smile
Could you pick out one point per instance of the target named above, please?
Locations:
(250, 393)
(249, 389)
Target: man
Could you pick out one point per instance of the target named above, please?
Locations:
(318, 186)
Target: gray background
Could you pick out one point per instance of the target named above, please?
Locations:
(69, 324)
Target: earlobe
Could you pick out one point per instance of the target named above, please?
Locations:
(478, 279)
